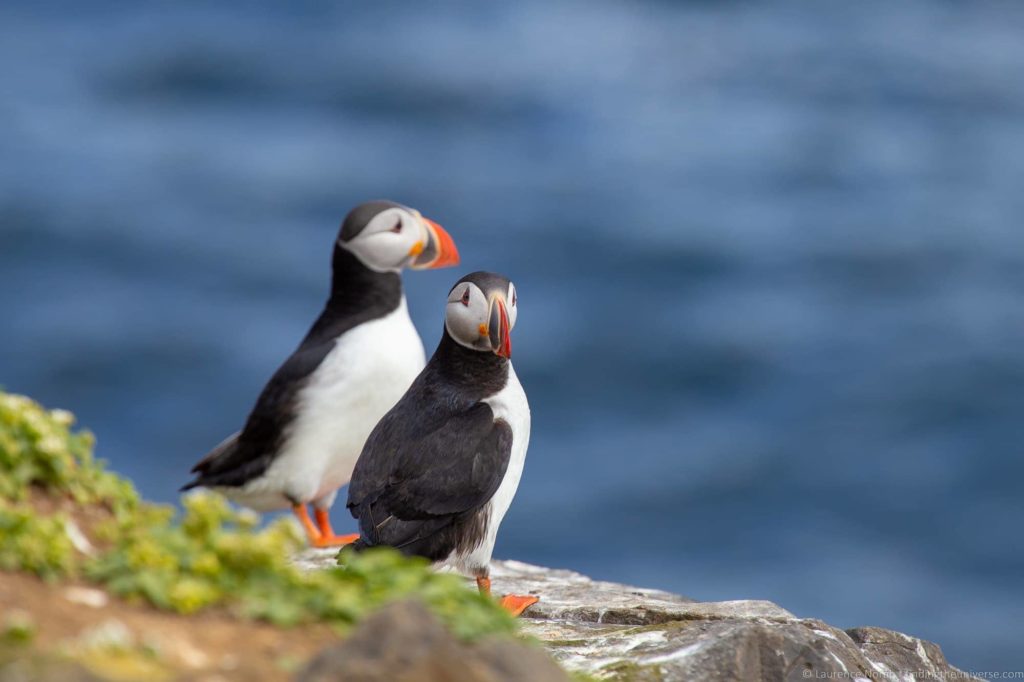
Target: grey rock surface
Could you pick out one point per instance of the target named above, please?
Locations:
(404, 642)
(617, 631)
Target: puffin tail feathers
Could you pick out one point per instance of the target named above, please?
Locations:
(227, 465)
(221, 451)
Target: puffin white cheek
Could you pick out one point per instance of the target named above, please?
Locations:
(467, 324)
(382, 251)
(458, 324)
(407, 245)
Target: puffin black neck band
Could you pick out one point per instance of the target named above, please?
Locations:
(479, 373)
(355, 287)
(358, 295)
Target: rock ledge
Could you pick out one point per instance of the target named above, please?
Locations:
(617, 631)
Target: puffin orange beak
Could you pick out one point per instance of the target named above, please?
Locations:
(438, 251)
(499, 329)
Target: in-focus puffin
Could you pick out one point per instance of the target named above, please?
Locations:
(439, 471)
(303, 436)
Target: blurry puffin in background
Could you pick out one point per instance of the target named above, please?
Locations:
(438, 473)
(303, 436)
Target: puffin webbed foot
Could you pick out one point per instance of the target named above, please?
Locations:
(513, 603)
(334, 540)
(307, 523)
(321, 534)
(327, 537)
(517, 603)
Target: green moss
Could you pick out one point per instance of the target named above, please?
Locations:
(18, 628)
(582, 677)
(124, 664)
(668, 626)
(210, 555)
(627, 671)
(566, 642)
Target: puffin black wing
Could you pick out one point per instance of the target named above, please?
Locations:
(424, 494)
(248, 454)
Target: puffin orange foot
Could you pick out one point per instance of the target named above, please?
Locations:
(312, 532)
(334, 540)
(327, 538)
(517, 603)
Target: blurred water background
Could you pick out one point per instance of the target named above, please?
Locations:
(770, 260)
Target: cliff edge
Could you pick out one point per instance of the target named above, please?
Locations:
(608, 630)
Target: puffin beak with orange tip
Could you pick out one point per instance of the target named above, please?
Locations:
(498, 328)
(436, 250)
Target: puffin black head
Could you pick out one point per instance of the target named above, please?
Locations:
(481, 313)
(387, 237)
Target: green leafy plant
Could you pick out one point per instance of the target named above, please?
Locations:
(38, 448)
(35, 544)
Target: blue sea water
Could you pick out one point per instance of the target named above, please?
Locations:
(770, 262)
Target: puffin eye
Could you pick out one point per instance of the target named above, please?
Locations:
(513, 299)
(398, 226)
(465, 298)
